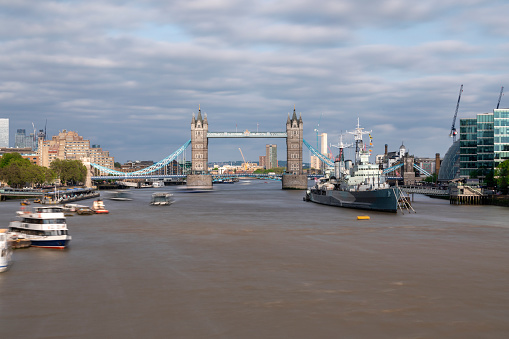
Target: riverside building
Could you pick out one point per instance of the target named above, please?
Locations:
(484, 142)
(68, 145)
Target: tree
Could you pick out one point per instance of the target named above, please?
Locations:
(69, 171)
(19, 172)
(432, 178)
(117, 165)
(7, 158)
(502, 176)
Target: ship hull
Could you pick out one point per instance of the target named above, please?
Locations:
(384, 200)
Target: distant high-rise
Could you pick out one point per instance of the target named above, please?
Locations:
(271, 156)
(22, 140)
(4, 132)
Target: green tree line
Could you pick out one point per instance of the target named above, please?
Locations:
(18, 172)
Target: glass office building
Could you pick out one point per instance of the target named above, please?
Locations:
(484, 142)
(501, 135)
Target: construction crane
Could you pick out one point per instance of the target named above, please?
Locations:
(453, 128)
(316, 130)
(500, 96)
(245, 164)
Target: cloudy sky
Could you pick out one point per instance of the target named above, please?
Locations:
(128, 75)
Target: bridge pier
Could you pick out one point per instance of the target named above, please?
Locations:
(294, 181)
(199, 181)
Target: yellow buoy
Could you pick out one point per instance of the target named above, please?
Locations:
(363, 217)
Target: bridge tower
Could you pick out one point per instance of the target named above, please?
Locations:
(294, 179)
(199, 153)
(199, 144)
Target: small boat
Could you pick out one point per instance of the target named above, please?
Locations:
(120, 196)
(44, 227)
(72, 207)
(161, 199)
(25, 202)
(37, 201)
(98, 207)
(158, 184)
(84, 211)
(5, 251)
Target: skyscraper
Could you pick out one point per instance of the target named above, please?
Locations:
(4, 132)
(22, 140)
(270, 156)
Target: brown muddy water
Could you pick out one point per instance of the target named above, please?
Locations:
(250, 260)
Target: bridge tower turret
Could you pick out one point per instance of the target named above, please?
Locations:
(294, 131)
(199, 144)
(294, 179)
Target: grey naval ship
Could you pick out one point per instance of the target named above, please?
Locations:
(359, 184)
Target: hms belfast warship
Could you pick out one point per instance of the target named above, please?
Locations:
(359, 184)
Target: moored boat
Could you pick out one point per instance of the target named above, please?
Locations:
(43, 226)
(85, 210)
(5, 251)
(359, 185)
(98, 207)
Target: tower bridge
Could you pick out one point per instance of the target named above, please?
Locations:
(199, 176)
(294, 177)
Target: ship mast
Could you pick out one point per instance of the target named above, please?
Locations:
(359, 144)
(341, 158)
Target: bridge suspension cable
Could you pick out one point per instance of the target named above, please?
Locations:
(322, 157)
(147, 170)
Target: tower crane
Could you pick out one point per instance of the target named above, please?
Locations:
(316, 130)
(245, 164)
(453, 128)
(500, 96)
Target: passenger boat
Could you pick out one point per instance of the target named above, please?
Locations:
(98, 207)
(359, 185)
(161, 199)
(43, 226)
(5, 251)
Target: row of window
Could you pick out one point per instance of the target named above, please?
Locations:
(37, 232)
(43, 221)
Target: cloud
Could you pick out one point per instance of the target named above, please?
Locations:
(129, 74)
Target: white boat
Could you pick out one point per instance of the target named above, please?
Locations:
(43, 226)
(72, 207)
(5, 251)
(158, 184)
(98, 207)
(161, 199)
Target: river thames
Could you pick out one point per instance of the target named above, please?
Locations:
(250, 260)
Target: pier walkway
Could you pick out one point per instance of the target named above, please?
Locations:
(430, 191)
